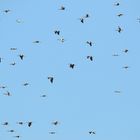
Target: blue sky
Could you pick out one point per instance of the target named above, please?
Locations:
(80, 99)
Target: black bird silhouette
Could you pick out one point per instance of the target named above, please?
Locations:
(3, 87)
(62, 8)
(13, 49)
(82, 20)
(119, 15)
(11, 130)
(55, 123)
(126, 67)
(25, 84)
(17, 136)
(72, 66)
(117, 91)
(117, 4)
(87, 16)
(90, 58)
(5, 123)
(43, 95)
(92, 132)
(29, 124)
(37, 41)
(7, 11)
(89, 43)
(51, 79)
(21, 56)
(20, 123)
(119, 29)
(7, 93)
(57, 32)
(52, 132)
(13, 64)
(126, 50)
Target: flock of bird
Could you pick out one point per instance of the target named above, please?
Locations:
(51, 78)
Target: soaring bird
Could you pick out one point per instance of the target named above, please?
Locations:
(37, 41)
(126, 51)
(87, 16)
(72, 66)
(43, 95)
(117, 91)
(21, 56)
(13, 64)
(11, 130)
(89, 43)
(117, 4)
(20, 123)
(90, 58)
(52, 132)
(17, 136)
(55, 123)
(126, 67)
(61, 39)
(5, 123)
(51, 79)
(3, 87)
(119, 29)
(7, 93)
(7, 11)
(29, 124)
(119, 15)
(82, 20)
(25, 84)
(13, 49)
(57, 32)
(62, 8)
(92, 132)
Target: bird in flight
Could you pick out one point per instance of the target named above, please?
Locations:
(92, 132)
(119, 30)
(7, 11)
(62, 8)
(55, 123)
(51, 79)
(57, 32)
(72, 66)
(82, 20)
(90, 58)
(126, 67)
(7, 93)
(89, 43)
(13, 64)
(117, 91)
(52, 132)
(61, 40)
(119, 15)
(37, 41)
(87, 16)
(13, 49)
(43, 95)
(21, 56)
(29, 124)
(17, 136)
(5, 123)
(115, 55)
(11, 130)
(25, 84)
(117, 4)
(20, 123)
(126, 51)
(3, 87)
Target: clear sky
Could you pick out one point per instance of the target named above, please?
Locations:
(80, 99)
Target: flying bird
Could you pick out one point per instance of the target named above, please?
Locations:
(13, 64)
(82, 20)
(7, 93)
(87, 16)
(126, 51)
(119, 30)
(119, 15)
(7, 11)
(21, 56)
(115, 55)
(20, 123)
(43, 95)
(89, 43)
(57, 32)
(90, 58)
(37, 41)
(62, 8)
(92, 132)
(72, 66)
(11, 130)
(52, 132)
(29, 124)
(55, 123)
(61, 39)
(5, 123)
(117, 4)
(117, 91)
(25, 84)
(126, 67)
(51, 79)
(17, 136)
(13, 49)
